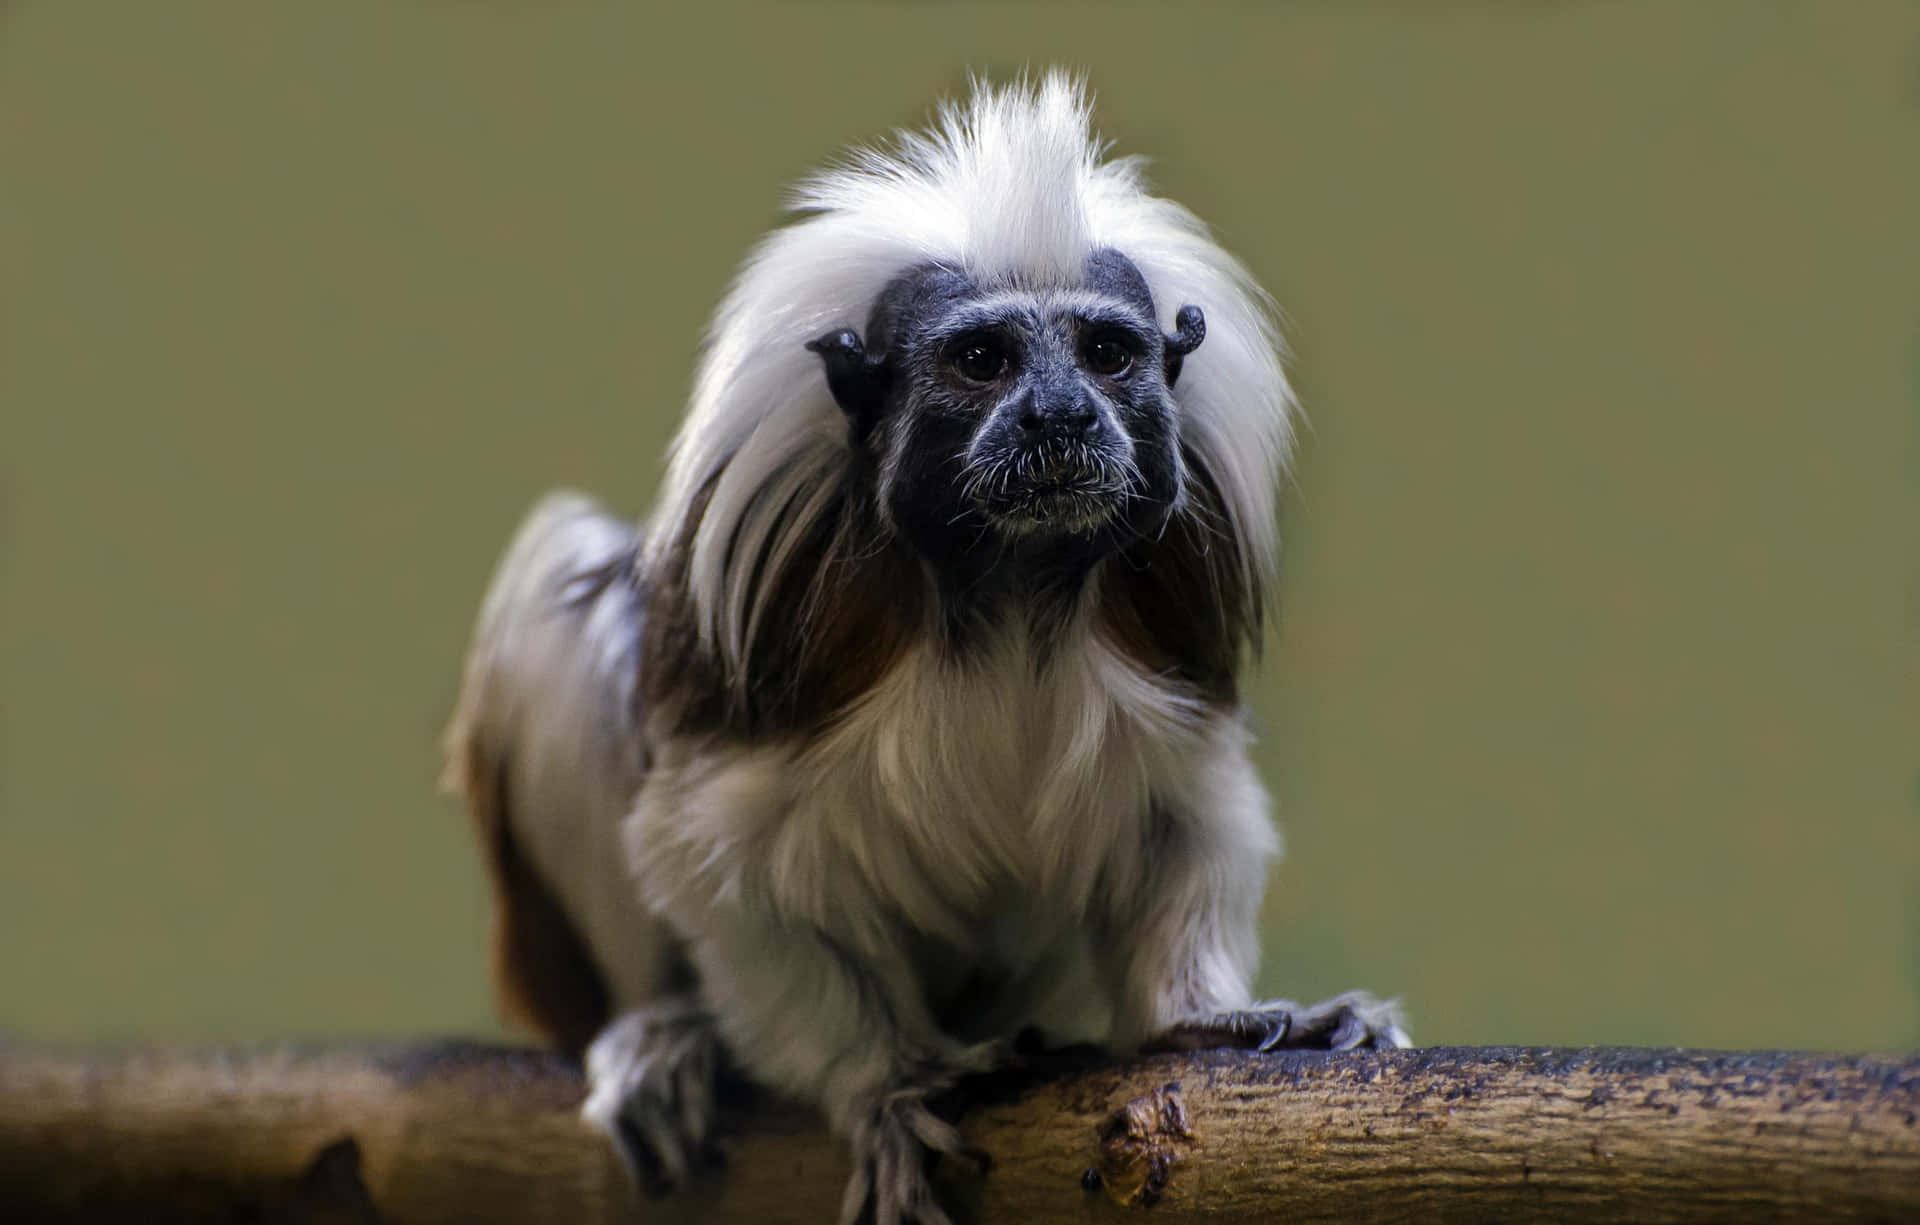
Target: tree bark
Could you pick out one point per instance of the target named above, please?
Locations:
(476, 1135)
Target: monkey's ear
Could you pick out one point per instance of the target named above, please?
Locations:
(1189, 329)
(858, 379)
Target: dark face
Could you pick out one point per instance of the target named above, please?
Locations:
(1012, 419)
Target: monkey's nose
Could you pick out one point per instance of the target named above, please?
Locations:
(1067, 416)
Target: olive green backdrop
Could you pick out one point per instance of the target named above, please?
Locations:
(1592, 712)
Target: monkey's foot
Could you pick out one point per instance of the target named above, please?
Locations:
(1350, 1021)
(650, 1077)
(897, 1140)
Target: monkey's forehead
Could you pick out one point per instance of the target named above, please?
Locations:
(941, 296)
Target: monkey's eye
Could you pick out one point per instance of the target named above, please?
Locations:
(979, 359)
(1108, 355)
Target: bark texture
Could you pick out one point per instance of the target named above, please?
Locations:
(477, 1135)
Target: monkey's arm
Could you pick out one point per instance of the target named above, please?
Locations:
(545, 746)
(1182, 948)
(834, 1017)
(851, 1032)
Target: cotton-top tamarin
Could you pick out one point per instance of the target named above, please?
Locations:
(911, 720)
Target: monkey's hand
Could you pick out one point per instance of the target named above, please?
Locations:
(832, 1019)
(896, 1140)
(1350, 1021)
(650, 1077)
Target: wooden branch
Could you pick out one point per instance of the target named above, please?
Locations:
(477, 1135)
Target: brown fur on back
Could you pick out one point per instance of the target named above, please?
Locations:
(543, 976)
(831, 622)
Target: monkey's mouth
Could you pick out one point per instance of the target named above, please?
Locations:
(1032, 493)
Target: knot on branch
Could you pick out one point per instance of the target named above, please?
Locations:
(1139, 1144)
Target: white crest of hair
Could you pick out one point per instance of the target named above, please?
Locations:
(1012, 187)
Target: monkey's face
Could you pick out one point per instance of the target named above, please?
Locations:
(995, 415)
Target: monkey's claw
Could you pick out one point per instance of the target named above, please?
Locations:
(897, 1141)
(650, 1077)
(1353, 1020)
(1262, 1029)
(893, 1150)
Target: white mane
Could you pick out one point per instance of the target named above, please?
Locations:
(1010, 187)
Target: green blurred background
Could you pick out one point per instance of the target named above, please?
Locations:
(1592, 713)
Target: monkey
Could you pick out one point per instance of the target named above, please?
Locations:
(911, 720)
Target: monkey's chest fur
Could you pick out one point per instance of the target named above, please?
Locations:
(970, 822)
